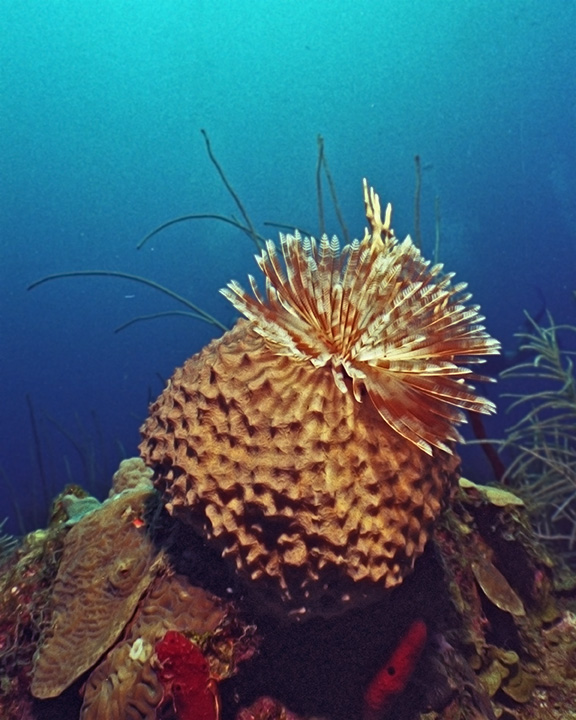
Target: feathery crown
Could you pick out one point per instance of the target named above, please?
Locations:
(379, 316)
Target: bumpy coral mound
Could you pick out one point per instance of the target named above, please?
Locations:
(314, 441)
(131, 474)
(126, 684)
(290, 475)
(107, 563)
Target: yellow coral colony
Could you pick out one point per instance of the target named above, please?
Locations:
(313, 441)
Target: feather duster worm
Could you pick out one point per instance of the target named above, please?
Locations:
(379, 318)
(314, 441)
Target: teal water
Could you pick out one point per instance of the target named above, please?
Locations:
(100, 115)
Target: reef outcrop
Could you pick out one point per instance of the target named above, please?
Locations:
(313, 443)
(107, 564)
(95, 598)
(313, 447)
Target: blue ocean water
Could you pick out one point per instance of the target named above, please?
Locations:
(101, 109)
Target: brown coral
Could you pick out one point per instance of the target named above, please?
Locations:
(131, 474)
(125, 685)
(107, 563)
(313, 442)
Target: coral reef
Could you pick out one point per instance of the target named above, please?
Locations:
(313, 442)
(26, 578)
(483, 628)
(314, 445)
(88, 608)
(500, 642)
(511, 599)
(129, 682)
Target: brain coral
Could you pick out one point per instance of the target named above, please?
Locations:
(107, 563)
(313, 442)
(125, 685)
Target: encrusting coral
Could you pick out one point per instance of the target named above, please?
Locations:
(107, 563)
(314, 441)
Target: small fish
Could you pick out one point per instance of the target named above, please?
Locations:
(391, 680)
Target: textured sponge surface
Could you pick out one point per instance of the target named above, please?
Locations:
(294, 479)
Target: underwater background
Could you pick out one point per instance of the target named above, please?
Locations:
(101, 109)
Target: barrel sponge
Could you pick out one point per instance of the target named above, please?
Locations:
(314, 441)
